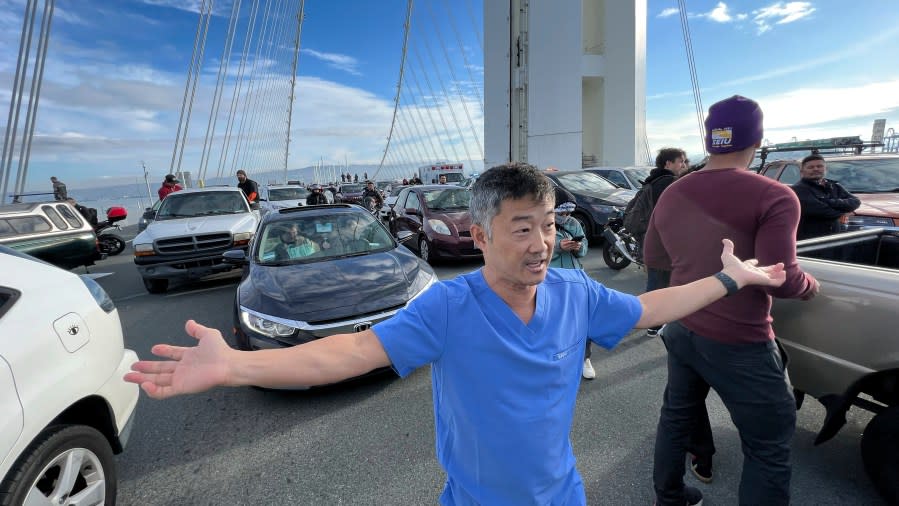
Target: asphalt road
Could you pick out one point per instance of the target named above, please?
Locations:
(372, 441)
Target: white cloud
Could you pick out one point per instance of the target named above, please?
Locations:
(670, 11)
(719, 14)
(221, 8)
(338, 61)
(780, 14)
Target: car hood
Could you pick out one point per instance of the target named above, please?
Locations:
(461, 220)
(613, 197)
(334, 289)
(878, 204)
(232, 223)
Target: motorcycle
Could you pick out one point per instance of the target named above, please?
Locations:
(621, 248)
(107, 242)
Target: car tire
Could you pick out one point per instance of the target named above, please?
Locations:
(37, 470)
(156, 285)
(585, 224)
(880, 453)
(424, 249)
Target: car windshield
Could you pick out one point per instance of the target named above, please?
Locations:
(383, 185)
(351, 188)
(190, 205)
(454, 177)
(636, 175)
(585, 182)
(313, 237)
(287, 193)
(866, 176)
(450, 199)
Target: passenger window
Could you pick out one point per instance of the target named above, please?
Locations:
(790, 174)
(412, 202)
(55, 217)
(770, 172)
(70, 217)
(6, 229)
(29, 224)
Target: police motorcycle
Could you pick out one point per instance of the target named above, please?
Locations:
(620, 248)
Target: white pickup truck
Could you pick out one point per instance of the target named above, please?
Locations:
(191, 230)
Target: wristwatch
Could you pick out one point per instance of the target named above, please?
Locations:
(729, 284)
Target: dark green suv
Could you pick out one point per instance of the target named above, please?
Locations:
(53, 231)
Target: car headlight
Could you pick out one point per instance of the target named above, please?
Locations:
(439, 226)
(143, 250)
(242, 238)
(264, 326)
(99, 294)
(869, 221)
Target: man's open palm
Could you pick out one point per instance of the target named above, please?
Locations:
(188, 369)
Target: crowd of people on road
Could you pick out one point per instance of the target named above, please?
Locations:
(503, 415)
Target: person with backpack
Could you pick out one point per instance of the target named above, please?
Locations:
(671, 163)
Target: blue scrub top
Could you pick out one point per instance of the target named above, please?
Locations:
(504, 392)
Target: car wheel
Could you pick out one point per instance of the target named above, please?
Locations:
(880, 453)
(424, 249)
(66, 464)
(585, 224)
(156, 285)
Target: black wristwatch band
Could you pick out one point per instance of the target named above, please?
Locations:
(729, 284)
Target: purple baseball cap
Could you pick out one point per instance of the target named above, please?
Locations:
(733, 124)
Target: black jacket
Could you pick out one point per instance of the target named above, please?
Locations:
(659, 179)
(316, 198)
(822, 205)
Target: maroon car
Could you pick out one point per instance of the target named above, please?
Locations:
(349, 193)
(434, 221)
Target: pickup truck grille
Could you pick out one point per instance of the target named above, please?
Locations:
(194, 243)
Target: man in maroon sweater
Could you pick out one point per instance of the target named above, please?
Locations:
(729, 344)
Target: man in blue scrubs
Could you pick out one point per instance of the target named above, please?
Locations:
(505, 381)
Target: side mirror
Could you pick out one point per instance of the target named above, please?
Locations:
(405, 237)
(235, 257)
(412, 210)
(254, 206)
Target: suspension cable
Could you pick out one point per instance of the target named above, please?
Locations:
(399, 84)
(430, 116)
(449, 66)
(694, 79)
(474, 84)
(190, 84)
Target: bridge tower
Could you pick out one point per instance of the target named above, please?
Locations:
(565, 82)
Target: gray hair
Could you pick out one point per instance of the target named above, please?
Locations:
(514, 180)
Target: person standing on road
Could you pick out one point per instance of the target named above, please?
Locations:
(59, 189)
(169, 185)
(570, 246)
(248, 186)
(316, 196)
(729, 344)
(671, 163)
(823, 201)
(502, 415)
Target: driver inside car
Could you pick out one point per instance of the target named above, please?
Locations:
(294, 245)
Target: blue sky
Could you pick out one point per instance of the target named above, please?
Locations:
(116, 70)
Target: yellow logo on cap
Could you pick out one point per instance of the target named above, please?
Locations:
(722, 137)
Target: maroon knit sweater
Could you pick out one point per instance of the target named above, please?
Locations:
(758, 214)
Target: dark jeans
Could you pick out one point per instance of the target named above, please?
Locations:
(751, 381)
(655, 279)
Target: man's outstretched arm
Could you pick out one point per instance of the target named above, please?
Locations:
(670, 304)
(213, 363)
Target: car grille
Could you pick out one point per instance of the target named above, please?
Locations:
(194, 243)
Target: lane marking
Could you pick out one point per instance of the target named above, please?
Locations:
(200, 290)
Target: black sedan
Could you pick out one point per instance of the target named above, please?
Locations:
(596, 198)
(316, 271)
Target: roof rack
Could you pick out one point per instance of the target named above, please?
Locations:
(830, 145)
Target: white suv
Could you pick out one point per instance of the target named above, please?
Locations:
(191, 230)
(64, 407)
